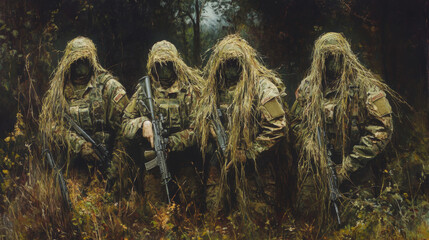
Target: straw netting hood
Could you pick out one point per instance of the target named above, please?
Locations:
(54, 102)
(163, 52)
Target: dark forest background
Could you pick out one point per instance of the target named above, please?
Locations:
(390, 37)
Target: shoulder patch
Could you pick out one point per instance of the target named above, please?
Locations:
(274, 108)
(119, 94)
(378, 103)
(382, 106)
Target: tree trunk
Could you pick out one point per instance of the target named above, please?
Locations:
(197, 35)
(427, 50)
(184, 40)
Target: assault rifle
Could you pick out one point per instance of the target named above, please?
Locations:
(60, 178)
(159, 141)
(99, 149)
(334, 193)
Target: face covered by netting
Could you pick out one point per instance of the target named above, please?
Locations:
(165, 67)
(78, 64)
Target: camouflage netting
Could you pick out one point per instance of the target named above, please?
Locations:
(163, 52)
(311, 159)
(54, 103)
(243, 123)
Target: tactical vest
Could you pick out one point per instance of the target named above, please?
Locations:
(174, 107)
(89, 112)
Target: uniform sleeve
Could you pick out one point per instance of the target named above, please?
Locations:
(296, 113)
(295, 124)
(296, 119)
(181, 140)
(273, 121)
(132, 119)
(117, 100)
(377, 131)
(184, 139)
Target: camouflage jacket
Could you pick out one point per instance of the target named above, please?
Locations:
(175, 104)
(270, 114)
(97, 108)
(370, 126)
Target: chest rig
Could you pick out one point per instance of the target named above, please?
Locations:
(175, 108)
(89, 111)
(355, 119)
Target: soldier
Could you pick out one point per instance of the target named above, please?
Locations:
(341, 107)
(93, 99)
(175, 89)
(250, 98)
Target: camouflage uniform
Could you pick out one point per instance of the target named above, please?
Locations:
(175, 104)
(368, 126)
(96, 106)
(371, 127)
(262, 186)
(256, 128)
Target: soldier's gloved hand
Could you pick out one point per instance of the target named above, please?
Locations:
(213, 132)
(87, 152)
(147, 131)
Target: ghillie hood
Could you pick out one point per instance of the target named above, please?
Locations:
(54, 102)
(163, 52)
(353, 73)
(243, 121)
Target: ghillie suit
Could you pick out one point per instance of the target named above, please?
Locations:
(96, 106)
(253, 116)
(353, 112)
(175, 100)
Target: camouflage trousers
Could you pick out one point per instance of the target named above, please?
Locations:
(257, 197)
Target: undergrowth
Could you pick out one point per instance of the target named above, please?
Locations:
(31, 206)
